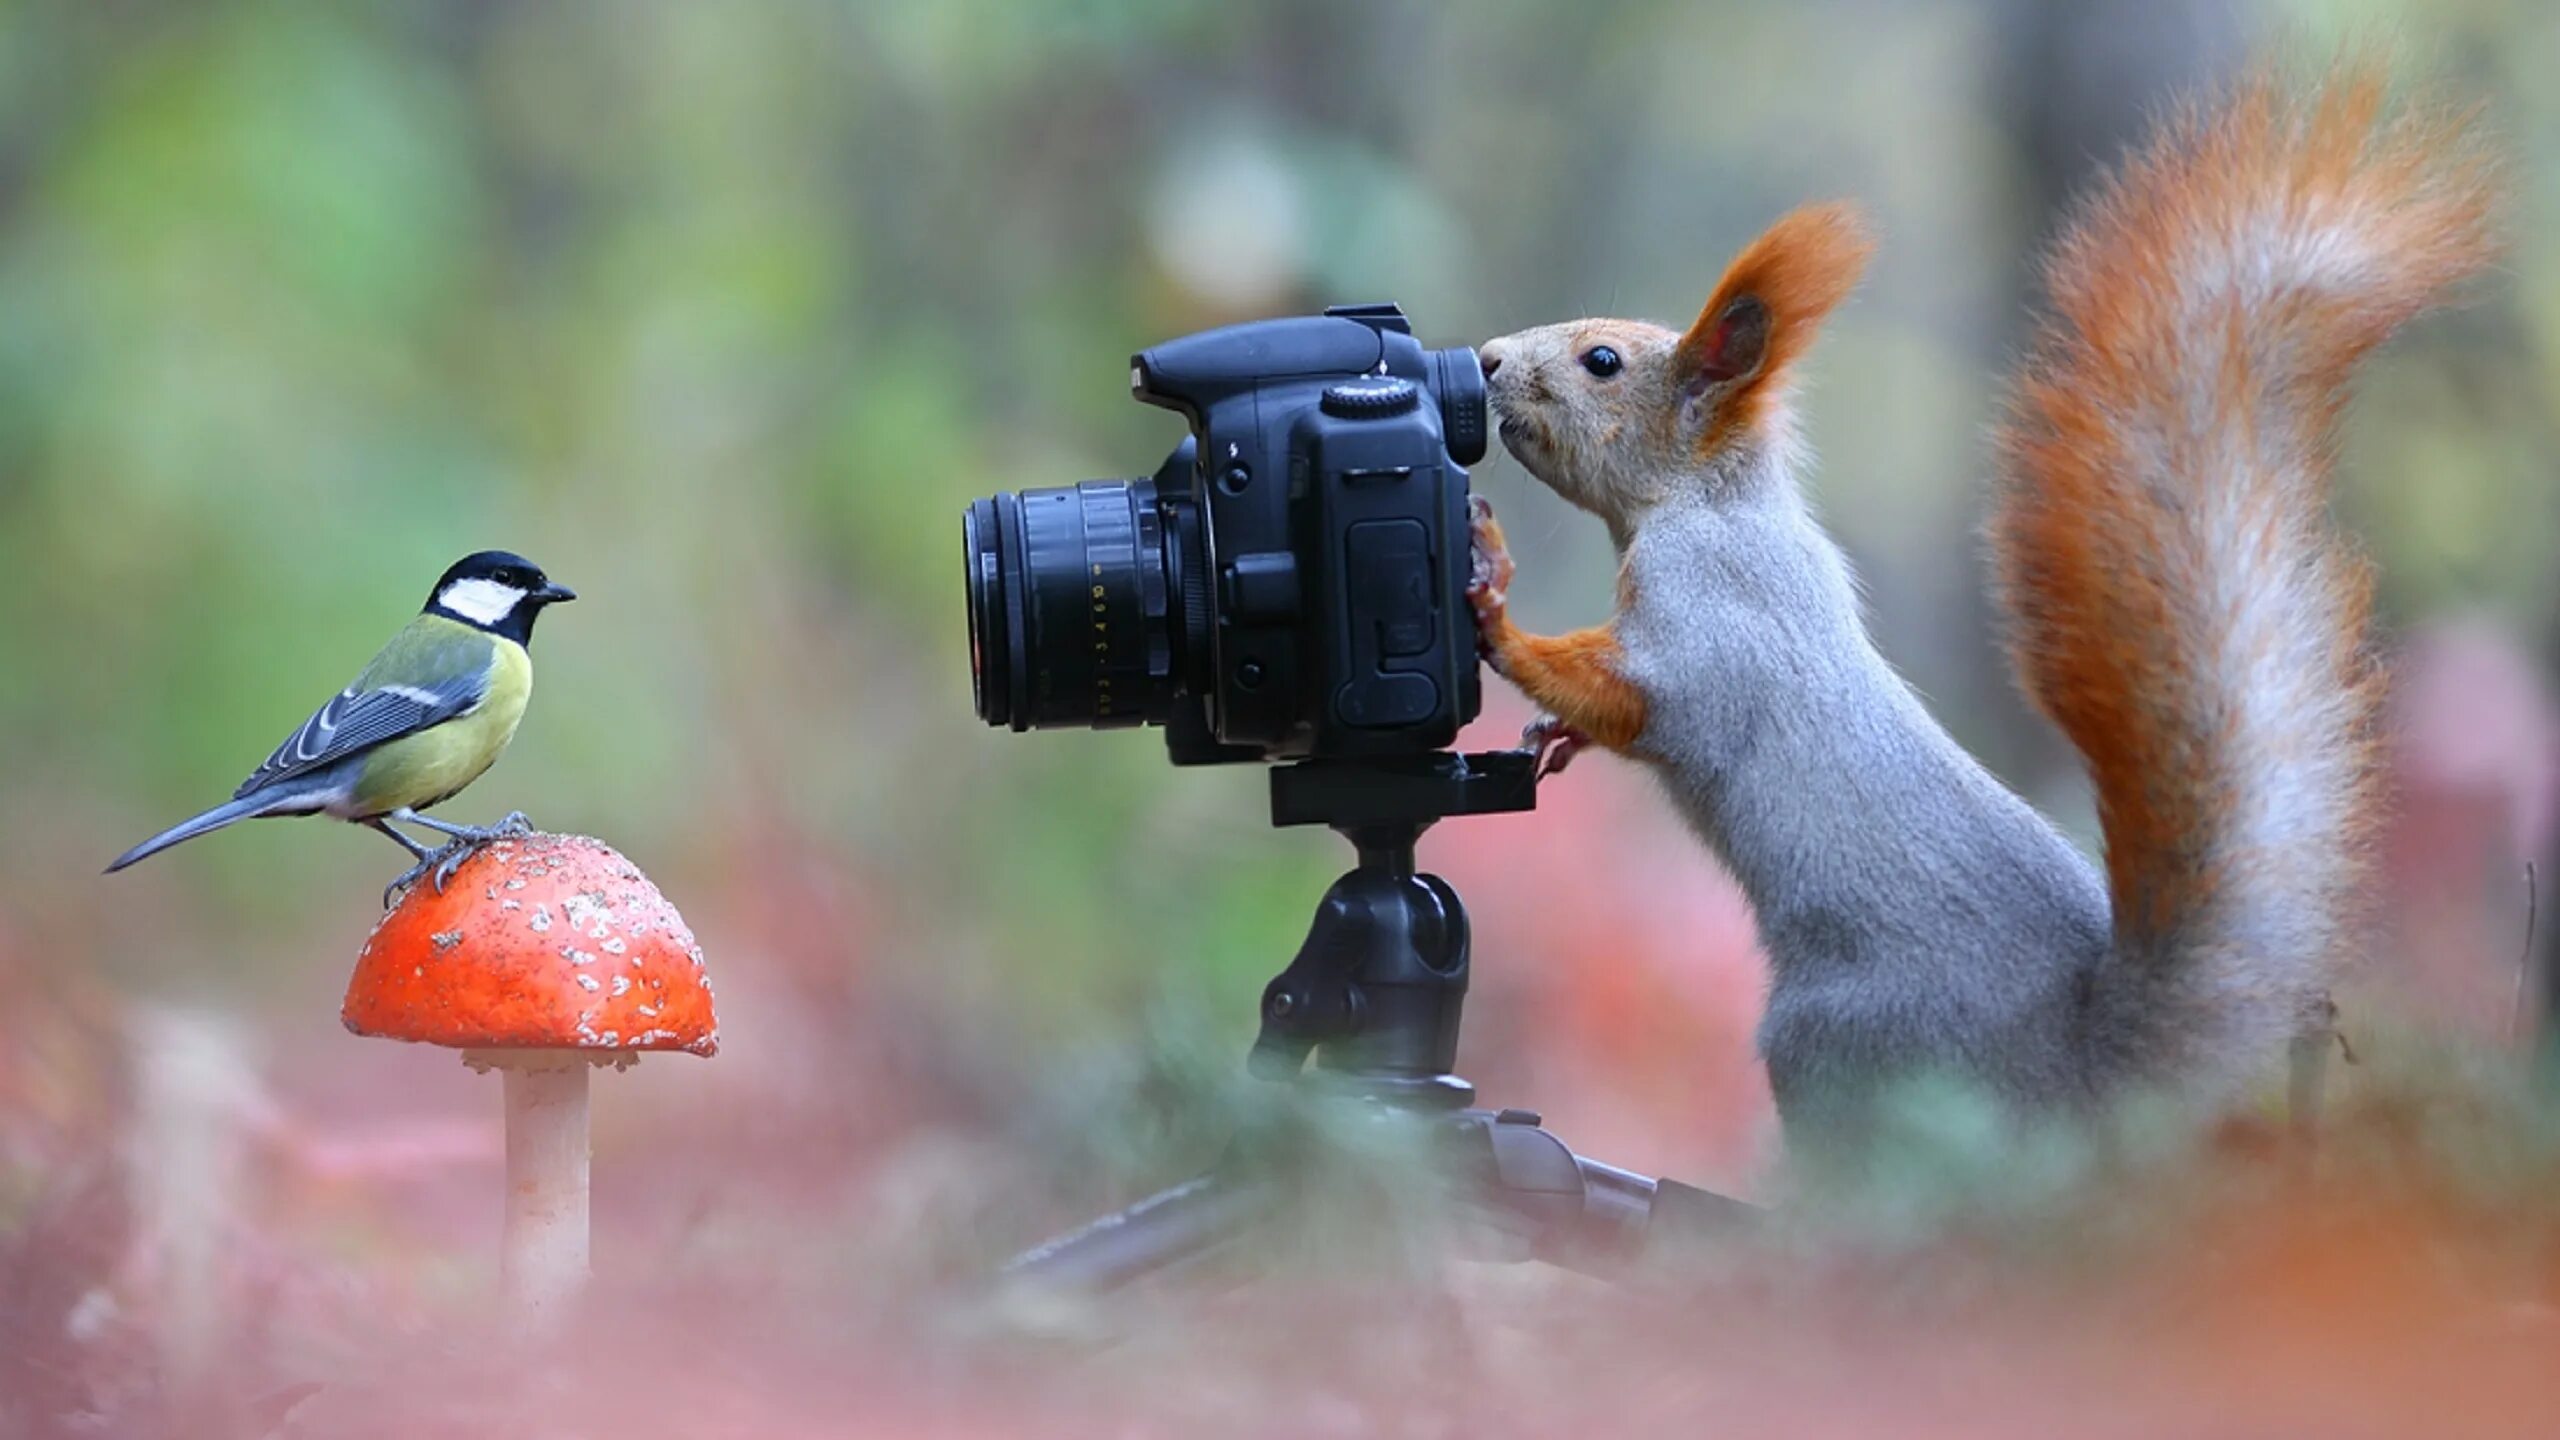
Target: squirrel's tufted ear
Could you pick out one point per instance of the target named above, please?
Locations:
(1725, 345)
(1768, 307)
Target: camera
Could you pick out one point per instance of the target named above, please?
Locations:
(1289, 584)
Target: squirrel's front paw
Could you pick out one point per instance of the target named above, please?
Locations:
(1489, 567)
(1554, 743)
(1488, 582)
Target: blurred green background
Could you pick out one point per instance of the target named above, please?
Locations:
(722, 312)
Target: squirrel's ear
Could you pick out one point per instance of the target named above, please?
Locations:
(1772, 300)
(1729, 345)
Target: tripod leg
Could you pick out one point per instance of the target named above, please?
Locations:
(1580, 1213)
(1167, 1229)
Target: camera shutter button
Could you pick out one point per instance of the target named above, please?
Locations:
(1373, 398)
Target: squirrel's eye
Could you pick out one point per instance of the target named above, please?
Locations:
(1602, 361)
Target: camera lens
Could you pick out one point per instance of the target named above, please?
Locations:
(1086, 605)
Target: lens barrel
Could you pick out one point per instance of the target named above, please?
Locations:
(1077, 605)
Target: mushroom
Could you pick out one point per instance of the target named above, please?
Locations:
(544, 956)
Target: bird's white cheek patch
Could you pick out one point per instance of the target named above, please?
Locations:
(483, 602)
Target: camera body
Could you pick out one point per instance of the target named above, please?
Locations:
(1290, 584)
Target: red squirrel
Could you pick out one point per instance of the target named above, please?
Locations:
(2178, 602)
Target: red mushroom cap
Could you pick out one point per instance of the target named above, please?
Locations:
(538, 942)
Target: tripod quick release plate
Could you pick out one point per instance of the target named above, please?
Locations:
(1412, 789)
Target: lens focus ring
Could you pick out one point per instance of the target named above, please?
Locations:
(1070, 606)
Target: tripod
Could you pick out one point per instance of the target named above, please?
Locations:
(1374, 996)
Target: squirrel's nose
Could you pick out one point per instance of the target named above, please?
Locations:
(1490, 358)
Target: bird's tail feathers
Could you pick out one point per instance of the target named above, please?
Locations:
(280, 800)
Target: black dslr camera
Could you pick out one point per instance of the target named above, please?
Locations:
(1290, 584)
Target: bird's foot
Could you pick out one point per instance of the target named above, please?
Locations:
(463, 846)
(406, 878)
(450, 856)
(439, 864)
(1554, 743)
(514, 827)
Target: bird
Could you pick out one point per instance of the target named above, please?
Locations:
(431, 712)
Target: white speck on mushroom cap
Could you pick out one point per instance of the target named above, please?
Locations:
(589, 982)
(445, 940)
(621, 986)
(588, 914)
(540, 920)
(613, 945)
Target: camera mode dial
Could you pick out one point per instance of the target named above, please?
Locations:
(1373, 398)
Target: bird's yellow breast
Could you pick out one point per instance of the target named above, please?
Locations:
(434, 764)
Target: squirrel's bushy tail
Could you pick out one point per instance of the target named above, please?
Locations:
(2180, 601)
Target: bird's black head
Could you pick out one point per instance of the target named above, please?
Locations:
(497, 591)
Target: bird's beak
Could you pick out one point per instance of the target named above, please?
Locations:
(553, 594)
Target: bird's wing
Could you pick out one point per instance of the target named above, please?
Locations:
(442, 676)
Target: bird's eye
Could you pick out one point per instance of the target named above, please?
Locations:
(1602, 361)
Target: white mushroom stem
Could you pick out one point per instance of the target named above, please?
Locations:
(545, 1264)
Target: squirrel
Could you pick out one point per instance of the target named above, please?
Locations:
(2178, 602)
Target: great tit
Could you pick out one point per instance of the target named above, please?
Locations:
(428, 715)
